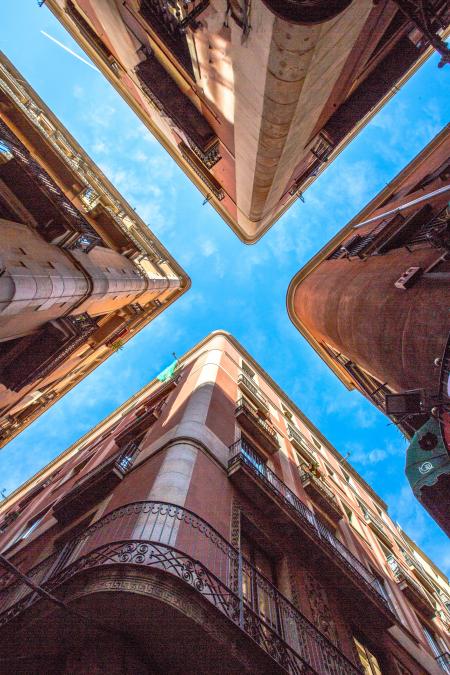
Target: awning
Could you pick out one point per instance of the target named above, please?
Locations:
(427, 457)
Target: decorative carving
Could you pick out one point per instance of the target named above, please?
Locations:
(320, 609)
(236, 522)
(292, 641)
(209, 157)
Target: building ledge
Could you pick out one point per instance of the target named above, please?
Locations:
(256, 427)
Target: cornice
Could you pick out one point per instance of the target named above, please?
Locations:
(84, 170)
(184, 166)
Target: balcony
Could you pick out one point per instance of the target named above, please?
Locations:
(321, 495)
(251, 390)
(417, 595)
(170, 20)
(247, 470)
(178, 543)
(257, 427)
(144, 418)
(33, 357)
(302, 446)
(443, 661)
(94, 486)
(167, 97)
(58, 219)
(377, 528)
(419, 572)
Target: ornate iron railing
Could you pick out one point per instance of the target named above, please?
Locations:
(170, 19)
(254, 389)
(47, 185)
(241, 451)
(433, 229)
(321, 486)
(443, 661)
(242, 405)
(402, 574)
(301, 444)
(429, 16)
(175, 540)
(64, 148)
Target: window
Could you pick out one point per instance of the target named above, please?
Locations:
(247, 370)
(253, 457)
(330, 471)
(368, 660)
(436, 649)
(300, 460)
(346, 477)
(362, 506)
(29, 528)
(378, 510)
(255, 593)
(386, 551)
(287, 413)
(354, 521)
(382, 588)
(316, 443)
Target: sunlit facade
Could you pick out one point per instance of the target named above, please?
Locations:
(206, 526)
(253, 98)
(374, 304)
(80, 272)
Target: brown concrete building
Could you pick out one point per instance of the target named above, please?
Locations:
(207, 526)
(374, 303)
(252, 98)
(80, 272)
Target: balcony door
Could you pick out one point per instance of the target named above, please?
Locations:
(257, 593)
(368, 660)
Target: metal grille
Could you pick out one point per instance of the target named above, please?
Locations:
(242, 451)
(46, 184)
(175, 540)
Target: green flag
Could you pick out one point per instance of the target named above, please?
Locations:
(168, 372)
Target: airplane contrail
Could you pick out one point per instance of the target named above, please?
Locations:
(77, 56)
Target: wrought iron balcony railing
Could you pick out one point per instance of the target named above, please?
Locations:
(419, 570)
(256, 426)
(241, 451)
(321, 485)
(45, 183)
(301, 444)
(411, 588)
(250, 388)
(86, 173)
(319, 491)
(377, 527)
(170, 19)
(443, 661)
(176, 541)
(96, 484)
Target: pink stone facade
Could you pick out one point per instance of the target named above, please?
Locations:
(160, 501)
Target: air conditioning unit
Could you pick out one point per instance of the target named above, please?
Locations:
(408, 278)
(408, 402)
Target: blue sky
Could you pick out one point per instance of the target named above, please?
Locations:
(235, 287)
